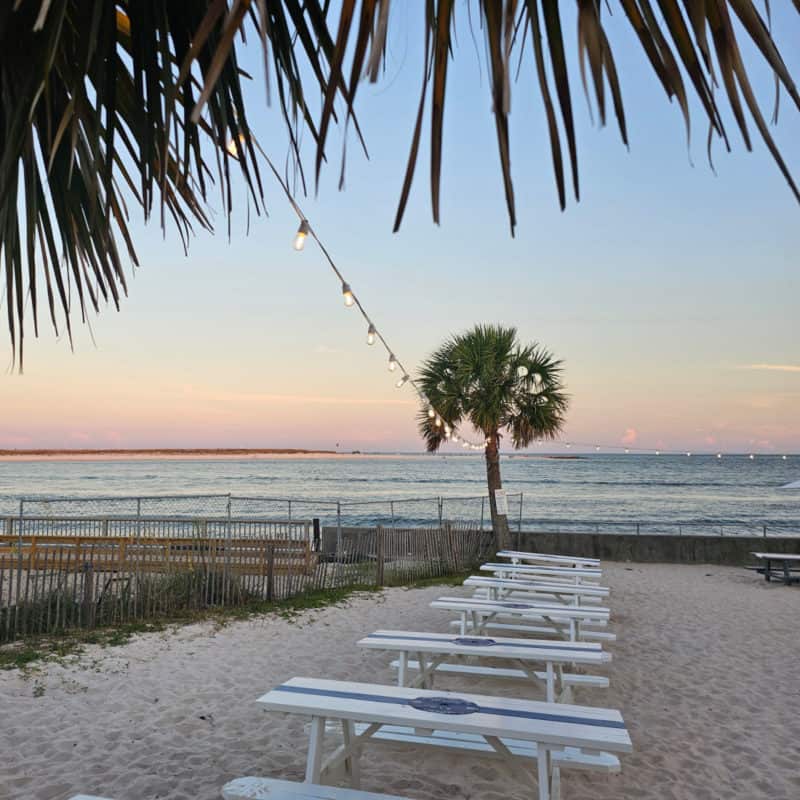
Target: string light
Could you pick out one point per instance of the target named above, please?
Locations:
(392, 362)
(347, 294)
(302, 233)
(371, 334)
(402, 382)
(431, 412)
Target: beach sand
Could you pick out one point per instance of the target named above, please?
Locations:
(705, 672)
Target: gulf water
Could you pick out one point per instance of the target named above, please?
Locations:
(600, 491)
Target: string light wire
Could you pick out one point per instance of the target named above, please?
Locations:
(306, 230)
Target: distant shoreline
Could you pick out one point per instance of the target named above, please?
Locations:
(163, 453)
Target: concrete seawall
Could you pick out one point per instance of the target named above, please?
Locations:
(733, 550)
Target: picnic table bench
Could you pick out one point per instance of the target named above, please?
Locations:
(252, 788)
(476, 613)
(500, 588)
(522, 556)
(514, 730)
(787, 569)
(435, 651)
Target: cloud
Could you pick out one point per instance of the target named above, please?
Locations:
(772, 367)
(630, 436)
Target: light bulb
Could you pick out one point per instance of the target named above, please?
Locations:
(465, 445)
(719, 455)
(597, 449)
(447, 429)
(438, 422)
(431, 412)
(658, 452)
(626, 450)
(392, 362)
(402, 382)
(688, 454)
(371, 334)
(347, 294)
(454, 437)
(302, 232)
(751, 456)
(783, 457)
(522, 371)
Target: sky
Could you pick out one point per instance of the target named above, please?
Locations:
(670, 291)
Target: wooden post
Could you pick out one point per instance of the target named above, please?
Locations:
(88, 594)
(379, 561)
(270, 572)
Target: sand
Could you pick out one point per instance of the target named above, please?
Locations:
(705, 672)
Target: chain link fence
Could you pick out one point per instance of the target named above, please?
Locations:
(524, 513)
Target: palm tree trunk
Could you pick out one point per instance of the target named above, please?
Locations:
(499, 521)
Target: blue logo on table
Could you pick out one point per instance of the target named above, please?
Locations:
(474, 641)
(443, 705)
(515, 605)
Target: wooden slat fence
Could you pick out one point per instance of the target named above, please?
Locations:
(66, 575)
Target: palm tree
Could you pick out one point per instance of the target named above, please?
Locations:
(107, 106)
(485, 378)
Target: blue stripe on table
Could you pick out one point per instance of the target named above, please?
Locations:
(455, 641)
(402, 701)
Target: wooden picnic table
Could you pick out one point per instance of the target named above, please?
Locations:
(789, 563)
(435, 652)
(475, 613)
(521, 556)
(489, 724)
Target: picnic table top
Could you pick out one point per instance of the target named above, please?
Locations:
(489, 647)
(533, 608)
(778, 556)
(548, 558)
(542, 587)
(433, 709)
(534, 569)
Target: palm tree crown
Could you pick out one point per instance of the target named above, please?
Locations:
(486, 378)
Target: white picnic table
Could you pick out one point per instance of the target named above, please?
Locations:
(501, 588)
(521, 556)
(435, 652)
(789, 563)
(475, 613)
(512, 729)
(576, 575)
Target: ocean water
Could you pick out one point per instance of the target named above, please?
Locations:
(596, 492)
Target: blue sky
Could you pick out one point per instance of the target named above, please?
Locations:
(660, 289)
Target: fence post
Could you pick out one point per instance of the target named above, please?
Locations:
(379, 556)
(88, 595)
(338, 530)
(519, 523)
(270, 572)
(290, 510)
(765, 531)
(317, 536)
(391, 506)
(483, 503)
(441, 505)
(637, 528)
